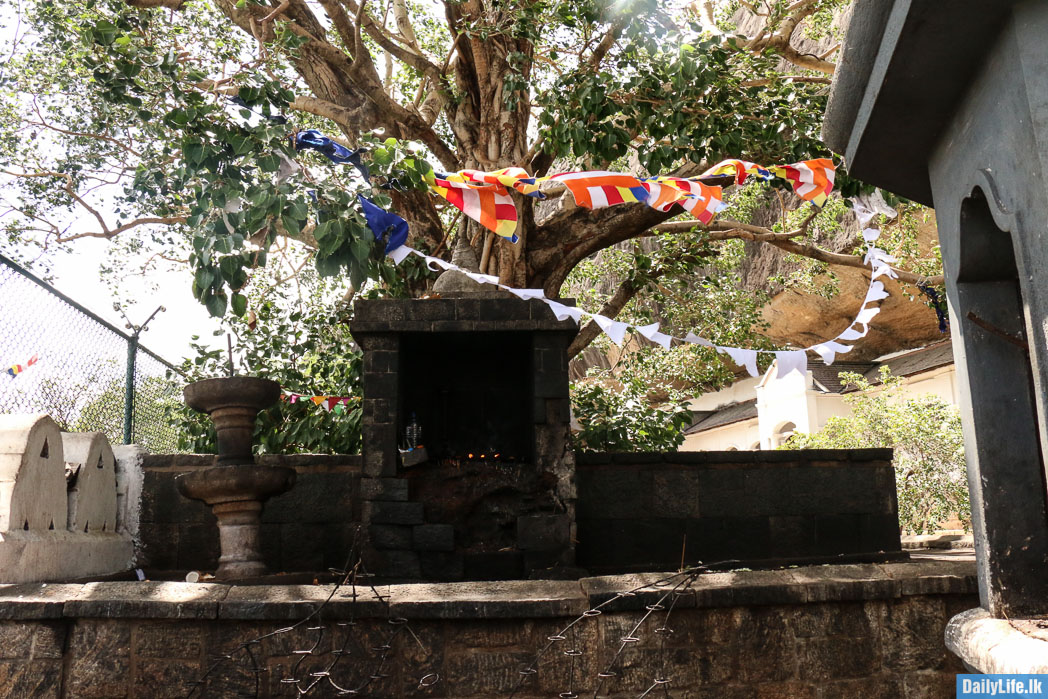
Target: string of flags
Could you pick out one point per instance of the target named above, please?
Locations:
(336, 404)
(485, 198)
(16, 369)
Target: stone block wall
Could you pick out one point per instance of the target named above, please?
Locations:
(411, 514)
(828, 632)
(309, 528)
(657, 511)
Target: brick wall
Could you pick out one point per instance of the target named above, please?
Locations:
(309, 528)
(653, 511)
(828, 632)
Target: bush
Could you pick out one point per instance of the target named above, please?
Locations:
(308, 352)
(925, 433)
(624, 420)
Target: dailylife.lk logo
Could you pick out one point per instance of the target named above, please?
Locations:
(970, 686)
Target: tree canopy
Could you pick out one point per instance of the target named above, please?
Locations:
(167, 125)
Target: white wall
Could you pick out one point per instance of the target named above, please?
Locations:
(793, 399)
(738, 392)
(781, 402)
(740, 435)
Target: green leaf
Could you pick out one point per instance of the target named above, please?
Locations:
(269, 162)
(193, 152)
(203, 278)
(216, 305)
(104, 32)
(239, 304)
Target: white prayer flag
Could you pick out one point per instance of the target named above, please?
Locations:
(743, 357)
(829, 350)
(615, 330)
(400, 253)
(696, 340)
(790, 361)
(652, 333)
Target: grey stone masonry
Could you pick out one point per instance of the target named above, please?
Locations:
(826, 632)
(655, 511)
(946, 104)
(396, 334)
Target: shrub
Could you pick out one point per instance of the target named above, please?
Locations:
(925, 433)
(624, 419)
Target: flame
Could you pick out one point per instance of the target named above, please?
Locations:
(470, 455)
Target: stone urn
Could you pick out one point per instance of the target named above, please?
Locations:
(236, 487)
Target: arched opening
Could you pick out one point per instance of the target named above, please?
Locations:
(782, 433)
(732, 448)
(1006, 475)
(756, 446)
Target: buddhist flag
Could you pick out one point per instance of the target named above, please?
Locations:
(515, 177)
(597, 189)
(703, 201)
(812, 180)
(741, 169)
(16, 369)
(489, 204)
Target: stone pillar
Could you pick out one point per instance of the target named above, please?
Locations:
(548, 539)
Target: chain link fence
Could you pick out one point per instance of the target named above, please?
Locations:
(86, 374)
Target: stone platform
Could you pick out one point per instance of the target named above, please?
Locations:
(872, 630)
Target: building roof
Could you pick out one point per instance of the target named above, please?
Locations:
(913, 362)
(827, 379)
(725, 415)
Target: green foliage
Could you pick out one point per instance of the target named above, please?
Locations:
(622, 419)
(155, 396)
(309, 352)
(687, 287)
(925, 433)
(221, 172)
(683, 96)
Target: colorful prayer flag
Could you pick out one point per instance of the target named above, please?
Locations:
(812, 180)
(703, 201)
(597, 189)
(740, 168)
(380, 221)
(515, 177)
(16, 369)
(489, 204)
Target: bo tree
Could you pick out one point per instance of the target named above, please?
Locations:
(170, 123)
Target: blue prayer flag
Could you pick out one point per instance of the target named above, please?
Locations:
(380, 221)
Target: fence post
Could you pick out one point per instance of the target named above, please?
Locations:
(129, 387)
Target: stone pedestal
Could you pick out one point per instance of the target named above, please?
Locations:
(236, 487)
(998, 646)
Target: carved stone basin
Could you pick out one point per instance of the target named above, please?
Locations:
(236, 487)
(233, 403)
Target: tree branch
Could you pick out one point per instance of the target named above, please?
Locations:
(151, 4)
(733, 230)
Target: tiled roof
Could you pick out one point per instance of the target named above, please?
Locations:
(918, 361)
(827, 378)
(726, 415)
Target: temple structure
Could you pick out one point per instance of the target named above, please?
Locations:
(947, 105)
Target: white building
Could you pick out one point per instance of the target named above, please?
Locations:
(762, 413)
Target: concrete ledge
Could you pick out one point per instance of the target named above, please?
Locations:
(30, 556)
(938, 541)
(146, 600)
(488, 600)
(998, 646)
